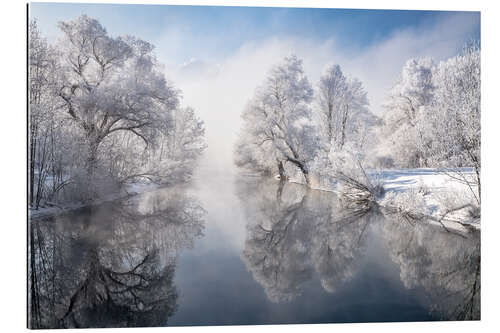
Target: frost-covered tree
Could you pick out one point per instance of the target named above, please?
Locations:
(282, 128)
(341, 103)
(253, 156)
(454, 124)
(402, 134)
(171, 161)
(345, 123)
(331, 91)
(41, 65)
(433, 117)
(102, 114)
(53, 142)
(277, 127)
(110, 85)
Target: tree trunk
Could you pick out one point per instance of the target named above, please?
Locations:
(306, 176)
(42, 160)
(32, 163)
(478, 177)
(303, 169)
(344, 124)
(279, 192)
(281, 170)
(330, 124)
(91, 168)
(92, 159)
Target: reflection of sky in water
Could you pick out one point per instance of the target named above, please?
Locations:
(250, 253)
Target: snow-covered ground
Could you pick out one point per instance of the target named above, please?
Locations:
(431, 192)
(396, 180)
(424, 191)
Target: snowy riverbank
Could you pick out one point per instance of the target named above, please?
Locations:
(425, 192)
(54, 210)
(431, 192)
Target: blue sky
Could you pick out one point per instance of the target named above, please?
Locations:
(215, 32)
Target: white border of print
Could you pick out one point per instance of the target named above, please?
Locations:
(13, 164)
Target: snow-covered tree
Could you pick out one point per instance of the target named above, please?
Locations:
(110, 85)
(102, 114)
(433, 117)
(345, 123)
(277, 127)
(341, 102)
(454, 122)
(402, 134)
(53, 142)
(332, 89)
(41, 64)
(171, 161)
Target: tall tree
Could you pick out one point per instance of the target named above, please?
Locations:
(405, 111)
(332, 88)
(41, 66)
(454, 124)
(277, 121)
(341, 103)
(110, 85)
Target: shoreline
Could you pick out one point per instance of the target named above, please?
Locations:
(54, 211)
(427, 188)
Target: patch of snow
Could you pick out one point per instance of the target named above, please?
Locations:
(427, 191)
(431, 192)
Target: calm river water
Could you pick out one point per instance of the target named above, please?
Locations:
(243, 250)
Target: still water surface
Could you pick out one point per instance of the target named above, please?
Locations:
(245, 251)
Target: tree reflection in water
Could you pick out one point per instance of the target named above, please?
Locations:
(294, 234)
(112, 265)
(446, 265)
